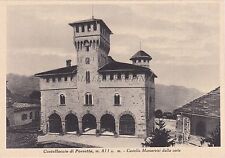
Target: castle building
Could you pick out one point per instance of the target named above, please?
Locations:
(98, 93)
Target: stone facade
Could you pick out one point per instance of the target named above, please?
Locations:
(99, 92)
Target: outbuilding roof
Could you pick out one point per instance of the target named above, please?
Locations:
(25, 106)
(206, 105)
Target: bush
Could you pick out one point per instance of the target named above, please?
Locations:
(158, 113)
(160, 137)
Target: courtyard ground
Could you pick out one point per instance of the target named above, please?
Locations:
(27, 137)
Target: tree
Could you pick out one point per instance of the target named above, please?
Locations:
(160, 137)
(35, 95)
(158, 113)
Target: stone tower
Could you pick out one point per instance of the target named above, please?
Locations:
(92, 44)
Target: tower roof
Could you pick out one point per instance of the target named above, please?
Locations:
(141, 55)
(91, 21)
(115, 66)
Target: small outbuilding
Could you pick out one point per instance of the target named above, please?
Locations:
(203, 114)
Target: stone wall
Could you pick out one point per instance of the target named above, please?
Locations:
(134, 99)
(18, 116)
(209, 122)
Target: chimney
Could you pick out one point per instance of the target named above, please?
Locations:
(68, 63)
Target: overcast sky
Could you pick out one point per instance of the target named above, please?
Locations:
(183, 39)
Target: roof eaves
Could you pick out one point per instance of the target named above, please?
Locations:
(53, 74)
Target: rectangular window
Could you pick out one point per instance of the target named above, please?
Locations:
(134, 75)
(88, 99)
(24, 117)
(119, 76)
(116, 99)
(111, 76)
(89, 28)
(62, 99)
(87, 77)
(104, 77)
(47, 79)
(31, 115)
(77, 29)
(82, 28)
(95, 26)
(59, 79)
(126, 76)
(53, 79)
(65, 79)
(71, 78)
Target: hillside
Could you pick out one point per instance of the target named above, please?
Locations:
(171, 97)
(168, 98)
(22, 85)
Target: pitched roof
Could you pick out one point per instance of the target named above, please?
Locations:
(90, 21)
(115, 66)
(141, 55)
(25, 106)
(207, 105)
(59, 71)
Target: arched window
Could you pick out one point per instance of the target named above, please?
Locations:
(62, 99)
(31, 115)
(87, 77)
(88, 99)
(87, 60)
(116, 99)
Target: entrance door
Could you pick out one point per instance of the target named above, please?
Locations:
(127, 125)
(71, 123)
(88, 122)
(107, 123)
(201, 129)
(55, 125)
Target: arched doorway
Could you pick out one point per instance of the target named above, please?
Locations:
(107, 123)
(127, 125)
(7, 122)
(201, 129)
(88, 122)
(71, 123)
(55, 125)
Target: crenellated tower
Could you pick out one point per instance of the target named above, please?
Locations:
(91, 41)
(92, 44)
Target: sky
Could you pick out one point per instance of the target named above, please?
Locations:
(182, 38)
